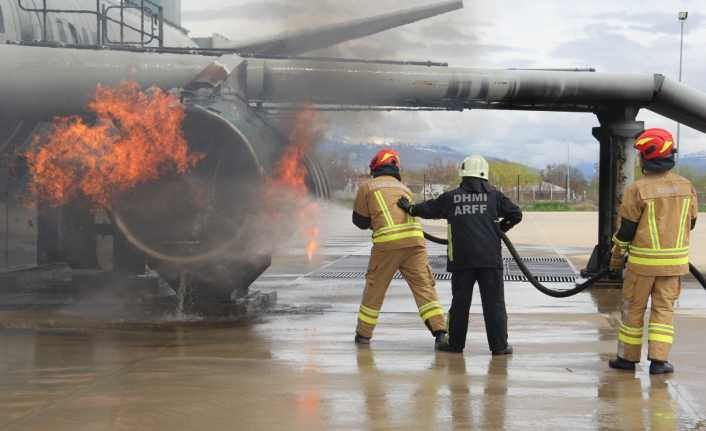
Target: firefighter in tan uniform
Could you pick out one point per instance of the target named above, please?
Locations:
(398, 245)
(657, 214)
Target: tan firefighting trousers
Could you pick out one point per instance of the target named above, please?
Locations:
(637, 290)
(413, 265)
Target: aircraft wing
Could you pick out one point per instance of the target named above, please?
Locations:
(336, 83)
(50, 76)
(299, 42)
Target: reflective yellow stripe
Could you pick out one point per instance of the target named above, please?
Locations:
(675, 250)
(369, 311)
(629, 335)
(660, 256)
(619, 243)
(632, 334)
(426, 307)
(431, 313)
(643, 141)
(652, 250)
(658, 262)
(369, 320)
(661, 338)
(450, 247)
(396, 228)
(630, 330)
(395, 237)
(682, 222)
(383, 208)
(660, 332)
(661, 325)
(392, 231)
(361, 313)
(661, 252)
(654, 232)
(634, 341)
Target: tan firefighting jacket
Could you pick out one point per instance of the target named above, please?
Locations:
(664, 206)
(392, 227)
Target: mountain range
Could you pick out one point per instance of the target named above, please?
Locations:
(412, 156)
(415, 156)
(694, 161)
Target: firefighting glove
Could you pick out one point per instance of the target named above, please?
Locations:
(617, 262)
(406, 205)
(505, 225)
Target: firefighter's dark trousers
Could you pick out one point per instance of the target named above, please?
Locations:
(492, 293)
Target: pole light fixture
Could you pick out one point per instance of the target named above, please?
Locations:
(683, 15)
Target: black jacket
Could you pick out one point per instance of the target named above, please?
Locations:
(472, 211)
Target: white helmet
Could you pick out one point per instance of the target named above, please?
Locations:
(474, 166)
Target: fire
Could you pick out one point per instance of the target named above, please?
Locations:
(290, 172)
(313, 244)
(136, 138)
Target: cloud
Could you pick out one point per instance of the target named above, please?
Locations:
(261, 10)
(615, 52)
(637, 36)
(655, 22)
(536, 138)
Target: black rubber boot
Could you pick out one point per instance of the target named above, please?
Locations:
(661, 367)
(506, 351)
(359, 339)
(441, 343)
(621, 364)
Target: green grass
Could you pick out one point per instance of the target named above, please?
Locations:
(547, 207)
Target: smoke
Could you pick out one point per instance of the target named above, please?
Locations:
(222, 221)
(452, 37)
(261, 10)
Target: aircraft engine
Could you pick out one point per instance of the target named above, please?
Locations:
(216, 224)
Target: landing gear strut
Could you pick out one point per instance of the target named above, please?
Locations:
(616, 136)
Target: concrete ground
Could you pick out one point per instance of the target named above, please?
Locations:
(574, 234)
(297, 367)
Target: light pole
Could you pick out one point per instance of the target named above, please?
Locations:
(683, 15)
(568, 173)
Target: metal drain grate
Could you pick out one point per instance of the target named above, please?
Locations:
(546, 269)
(361, 275)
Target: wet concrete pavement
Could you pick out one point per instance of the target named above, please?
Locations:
(297, 368)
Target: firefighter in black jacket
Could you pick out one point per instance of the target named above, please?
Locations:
(474, 252)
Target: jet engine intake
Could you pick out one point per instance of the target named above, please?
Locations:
(212, 223)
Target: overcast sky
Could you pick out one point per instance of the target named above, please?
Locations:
(612, 36)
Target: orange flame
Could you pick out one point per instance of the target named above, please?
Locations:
(313, 245)
(137, 137)
(291, 172)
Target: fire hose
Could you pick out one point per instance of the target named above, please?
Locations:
(697, 275)
(530, 277)
(558, 293)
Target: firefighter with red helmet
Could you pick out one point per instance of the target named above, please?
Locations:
(398, 245)
(657, 214)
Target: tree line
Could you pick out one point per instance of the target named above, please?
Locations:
(503, 174)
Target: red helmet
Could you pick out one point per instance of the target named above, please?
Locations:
(386, 157)
(655, 144)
